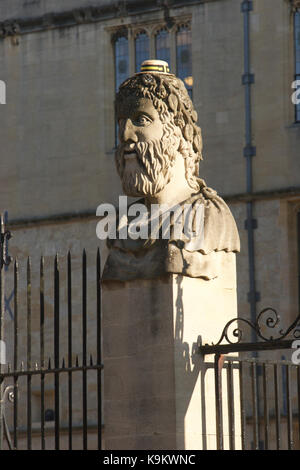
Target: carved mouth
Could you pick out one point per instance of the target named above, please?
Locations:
(133, 156)
(130, 156)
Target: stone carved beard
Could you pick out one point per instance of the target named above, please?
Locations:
(151, 171)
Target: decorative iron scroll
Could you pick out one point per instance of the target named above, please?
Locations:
(8, 394)
(267, 318)
(4, 258)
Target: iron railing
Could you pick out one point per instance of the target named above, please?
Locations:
(4, 262)
(271, 337)
(269, 420)
(51, 386)
(38, 365)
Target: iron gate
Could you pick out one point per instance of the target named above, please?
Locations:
(47, 410)
(268, 401)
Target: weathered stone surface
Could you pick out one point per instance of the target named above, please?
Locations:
(51, 76)
(158, 392)
(158, 157)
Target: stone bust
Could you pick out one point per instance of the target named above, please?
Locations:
(157, 159)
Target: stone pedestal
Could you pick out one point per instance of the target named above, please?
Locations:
(158, 392)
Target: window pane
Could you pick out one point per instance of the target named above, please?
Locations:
(121, 60)
(297, 41)
(141, 50)
(162, 45)
(297, 59)
(121, 68)
(184, 57)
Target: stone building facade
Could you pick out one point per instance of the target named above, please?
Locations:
(61, 63)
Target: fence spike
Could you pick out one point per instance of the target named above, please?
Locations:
(56, 262)
(77, 361)
(22, 366)
(8, 367)
(42, 265)
(63, 363)
(91, 360)
(36, 366)
(49, 363)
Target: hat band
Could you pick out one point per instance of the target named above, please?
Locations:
(155, 68)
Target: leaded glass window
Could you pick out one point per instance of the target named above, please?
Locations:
(141, 49)
(184, 56)
(162, 45)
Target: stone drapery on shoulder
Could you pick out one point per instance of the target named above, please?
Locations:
(195, 256)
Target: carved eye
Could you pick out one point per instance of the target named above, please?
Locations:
(143, 120)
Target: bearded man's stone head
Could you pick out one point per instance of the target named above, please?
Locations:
(157, 124)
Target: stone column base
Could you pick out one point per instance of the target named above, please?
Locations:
(159, 393)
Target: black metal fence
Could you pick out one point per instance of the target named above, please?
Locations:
(51, 384)
(259, 396)
(257, 404)
(55, 395)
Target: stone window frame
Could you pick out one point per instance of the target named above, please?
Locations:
(151, 28)
(291, 123)
(293, 231)
(296, 11)
(131, 31)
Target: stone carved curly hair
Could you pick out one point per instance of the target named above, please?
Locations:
(170, 97)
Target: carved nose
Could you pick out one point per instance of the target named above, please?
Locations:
(128, 134)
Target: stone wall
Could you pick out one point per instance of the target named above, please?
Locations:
(31, 8)
(57, 135)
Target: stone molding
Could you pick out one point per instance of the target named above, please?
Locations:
(284, 193)
(151, 27)
(92, 14)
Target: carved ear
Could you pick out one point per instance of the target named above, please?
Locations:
(173, 102)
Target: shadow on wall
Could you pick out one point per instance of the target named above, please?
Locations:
(189, 364)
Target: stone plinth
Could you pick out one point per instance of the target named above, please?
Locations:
(158, 392)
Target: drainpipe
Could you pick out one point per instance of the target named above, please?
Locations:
(249, 153)
(2, 231)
